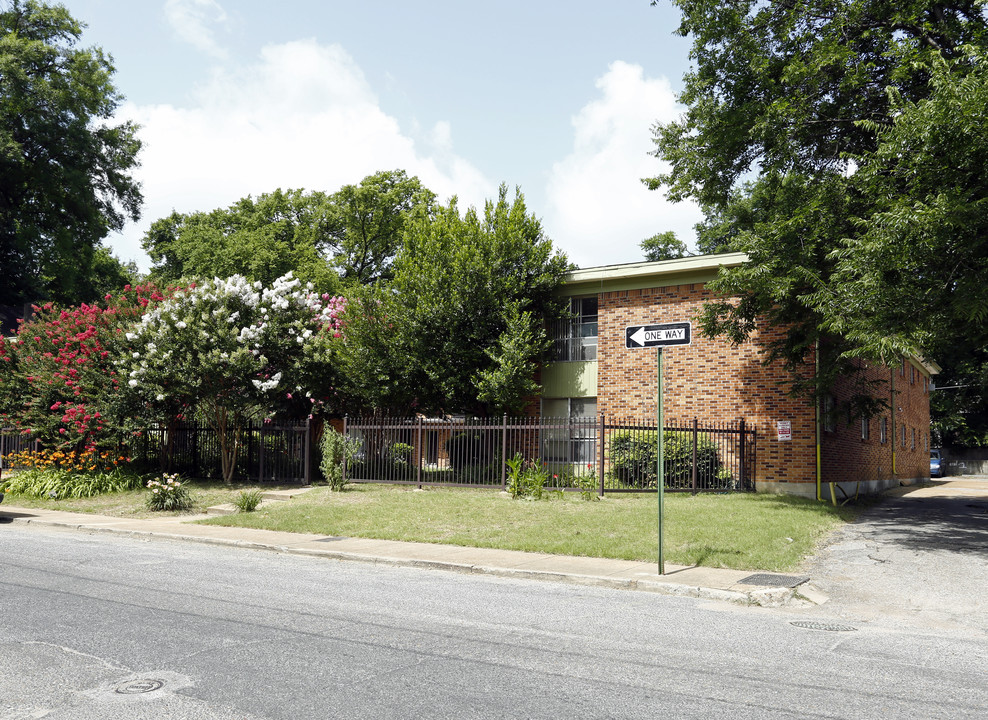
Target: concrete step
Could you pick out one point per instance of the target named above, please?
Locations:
(267, 497)
(225, 509)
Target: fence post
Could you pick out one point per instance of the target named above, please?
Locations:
(418, 449)
(600, 453)
(694, 473)
(307, 480)
(741, 478)
(345, 438)
(196, 438)
(504, 452)
(260, 452)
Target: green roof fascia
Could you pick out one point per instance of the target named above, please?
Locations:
(637, 276)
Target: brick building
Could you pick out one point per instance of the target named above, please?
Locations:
(595, 374)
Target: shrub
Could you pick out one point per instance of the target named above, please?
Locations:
(473, 447)
(168, 494)
(633, 458)
(336, 447)
(587, 483)
(248, 500)
(527, 478)
(401, 453)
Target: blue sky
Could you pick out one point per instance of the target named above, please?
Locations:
(243, 97)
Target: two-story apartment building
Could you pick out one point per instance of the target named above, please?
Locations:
(801, 446)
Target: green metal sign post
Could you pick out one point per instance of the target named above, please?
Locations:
(658, 336)
(660, 465)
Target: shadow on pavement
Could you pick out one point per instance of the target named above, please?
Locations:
(944, 516)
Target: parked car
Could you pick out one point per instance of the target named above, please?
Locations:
(936, 469)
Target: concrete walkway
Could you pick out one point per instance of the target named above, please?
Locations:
(700, 582)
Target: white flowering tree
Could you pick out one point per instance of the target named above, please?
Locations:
(235, 350)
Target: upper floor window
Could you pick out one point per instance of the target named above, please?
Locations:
(865, 428)
(829, 422)
(576, 338)
(883, 430)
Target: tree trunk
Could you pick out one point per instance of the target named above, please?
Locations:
(229, 446)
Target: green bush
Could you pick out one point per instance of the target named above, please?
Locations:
(399, 456)
(60, 484)
(473, 448)
(247, 500)
(168, 494)
(633, 459)
(336, 447)
(527, 478)
(587, 484)
(401, 453)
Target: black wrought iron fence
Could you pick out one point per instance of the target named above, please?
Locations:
(267, 453)
(12, 442)
(618, 455)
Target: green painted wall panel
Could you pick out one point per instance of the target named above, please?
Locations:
(570, 379)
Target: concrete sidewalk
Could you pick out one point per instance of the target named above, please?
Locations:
(699, 582)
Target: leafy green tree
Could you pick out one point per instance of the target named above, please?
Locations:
(351, 235)
(663, 246)
(804, 122)
(959, 404)
(65, 168)
(234, 350)
(461, 328)
(365, 223)
(260, 239)
(913, 272)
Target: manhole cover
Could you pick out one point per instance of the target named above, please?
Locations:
(831, 627)
(137, 687)
(786, 581)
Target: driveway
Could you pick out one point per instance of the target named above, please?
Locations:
(918, 558)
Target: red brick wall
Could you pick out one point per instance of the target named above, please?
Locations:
(846, 456)
(708, 379)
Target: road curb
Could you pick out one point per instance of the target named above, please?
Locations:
(757, 596)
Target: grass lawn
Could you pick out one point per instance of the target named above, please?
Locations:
(764, 532)
(743, 531)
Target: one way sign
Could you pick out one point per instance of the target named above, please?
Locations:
(642, 336)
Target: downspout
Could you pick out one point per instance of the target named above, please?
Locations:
(819, 467)
(895, 437)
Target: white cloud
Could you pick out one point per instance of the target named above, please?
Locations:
(302, 116)
(598, 209)
(193, 21)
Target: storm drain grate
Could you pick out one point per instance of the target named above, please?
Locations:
(138, 687)
(830, 627)
(786, 581)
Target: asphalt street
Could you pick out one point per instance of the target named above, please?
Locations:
(106, 626)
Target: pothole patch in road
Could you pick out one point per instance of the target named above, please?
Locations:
(827, 626)
(146, 687)
(139, 686)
